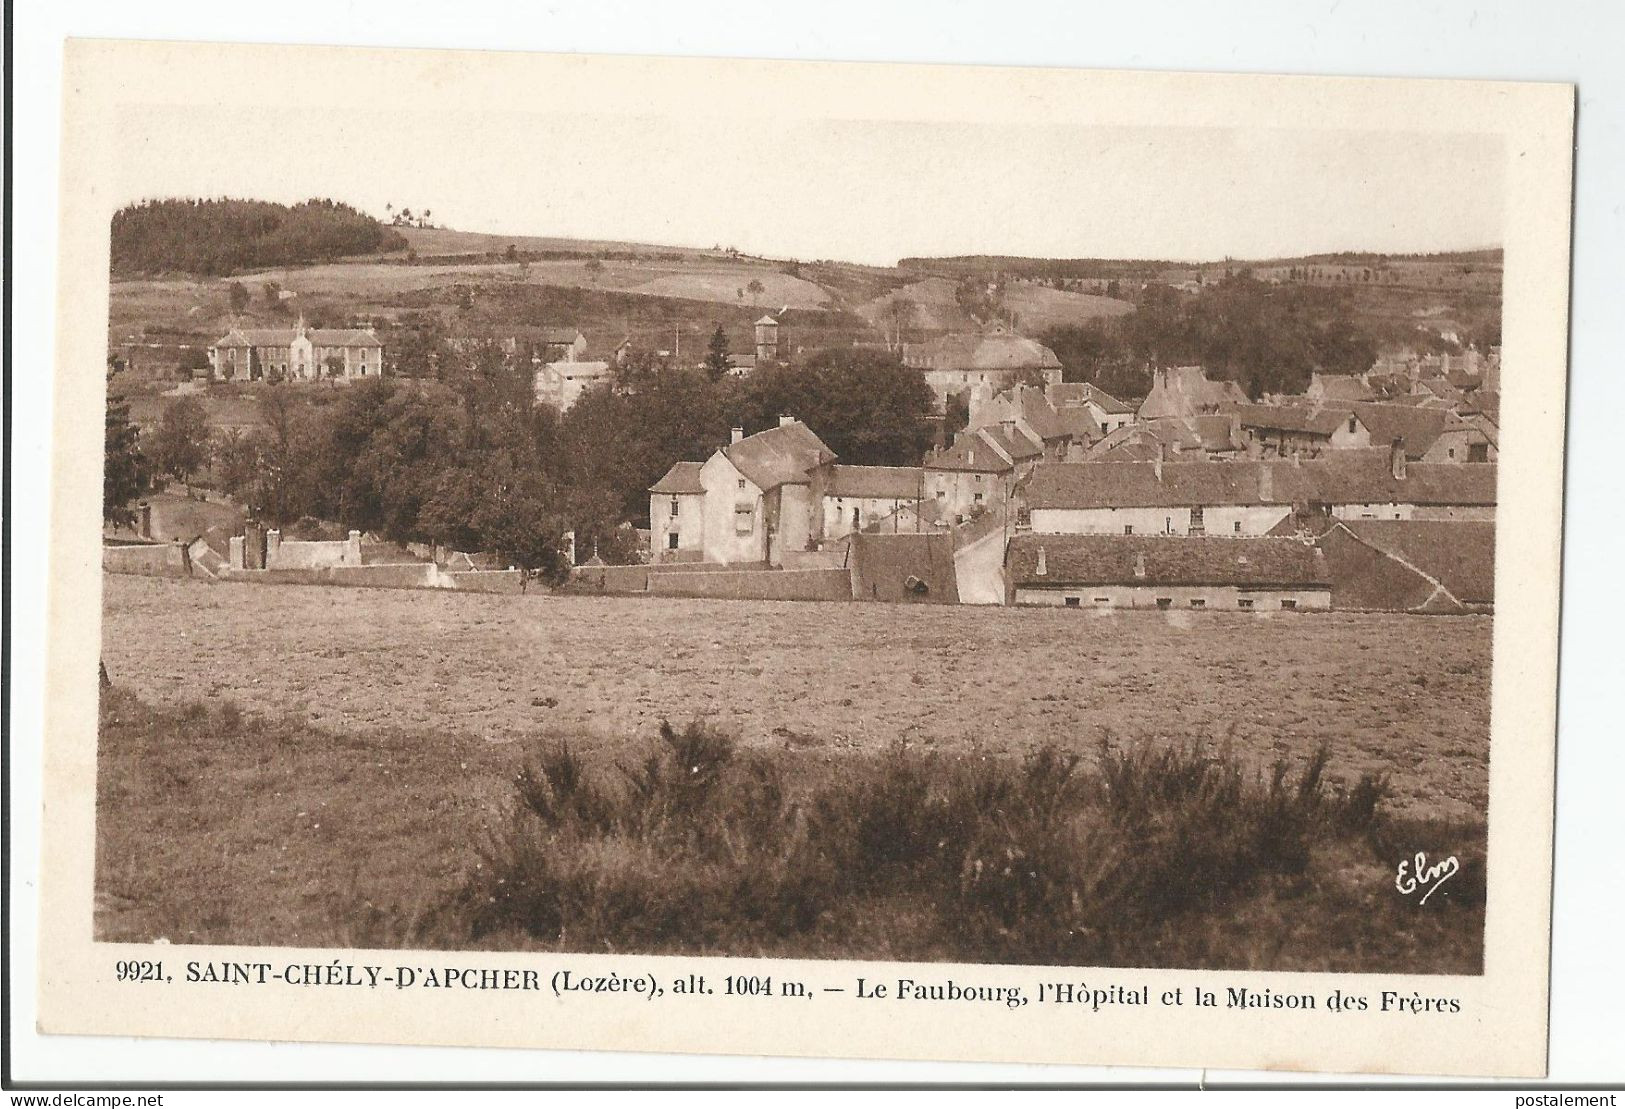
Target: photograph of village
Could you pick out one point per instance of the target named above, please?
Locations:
(1083, 605)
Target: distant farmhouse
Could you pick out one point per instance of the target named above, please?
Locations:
(296, 354)
(763, 499)
(998, 358)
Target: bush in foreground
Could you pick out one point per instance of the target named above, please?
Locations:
(702, 847)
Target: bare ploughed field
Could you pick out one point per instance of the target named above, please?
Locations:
(1404, 695)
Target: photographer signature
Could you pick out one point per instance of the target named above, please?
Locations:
(1416, 873)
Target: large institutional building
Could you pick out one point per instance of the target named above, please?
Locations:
(297, 353)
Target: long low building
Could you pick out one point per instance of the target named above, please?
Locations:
(1251, 497)
(1166, 572)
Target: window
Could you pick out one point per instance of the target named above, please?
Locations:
(1196, 527)
(1245, 602)
(1288, 603)
(941, 493)
(1128, 529)
(1351, 425)
(676, 506)
(1237, 527)
(1165, 602)
(741, 483)
(1103, 600)
(1198, 602)
(1073, 602)
(1451, 452)
(671, 541)
(1167, 525)
(856, 518)
(744, 520)
(978, 498)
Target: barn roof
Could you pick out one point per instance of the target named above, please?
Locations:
(1164, 560)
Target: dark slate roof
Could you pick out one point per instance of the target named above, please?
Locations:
(780, 455)
(1302, 420)
(900, 483)
(998, 350)
(1458, 554)
(1341, 477)
(683, 477)
(1165, 560)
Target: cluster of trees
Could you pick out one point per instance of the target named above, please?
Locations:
(1266, 338)
(225, 235)
(459, 454)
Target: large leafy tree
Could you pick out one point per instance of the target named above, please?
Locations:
(180, 443)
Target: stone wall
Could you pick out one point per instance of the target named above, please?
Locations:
(757, 585)
(163, 560)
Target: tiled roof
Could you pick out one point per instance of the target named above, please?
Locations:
(1183, 390)
(900, 483)
(1164, 560)
(970, 453)
(1341, 477)
(1079, 424)
(1070, 393)
(1458, 554)
(1292, 418)
(1013, 442)
(999, 350)
(778, 456)
(1419, 427)
(1340, 387)
(683, 477)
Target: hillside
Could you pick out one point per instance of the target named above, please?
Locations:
(227, 235)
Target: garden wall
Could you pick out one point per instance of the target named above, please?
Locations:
(757, 585)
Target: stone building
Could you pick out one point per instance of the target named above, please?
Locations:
(1166, 572)
(299, 353)
(997, 358)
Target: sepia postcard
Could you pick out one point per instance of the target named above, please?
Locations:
(805, 559)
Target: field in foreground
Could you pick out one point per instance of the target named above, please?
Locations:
(1397, 694)
(325, 766)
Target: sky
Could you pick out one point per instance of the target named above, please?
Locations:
(851, 189)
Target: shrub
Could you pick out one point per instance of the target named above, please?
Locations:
(701, 846)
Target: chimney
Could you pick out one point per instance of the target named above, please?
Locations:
(1042, 569)
(1139, 565)
(1396, 458)
(738, 434)
(786, 421)
(1266, 482)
